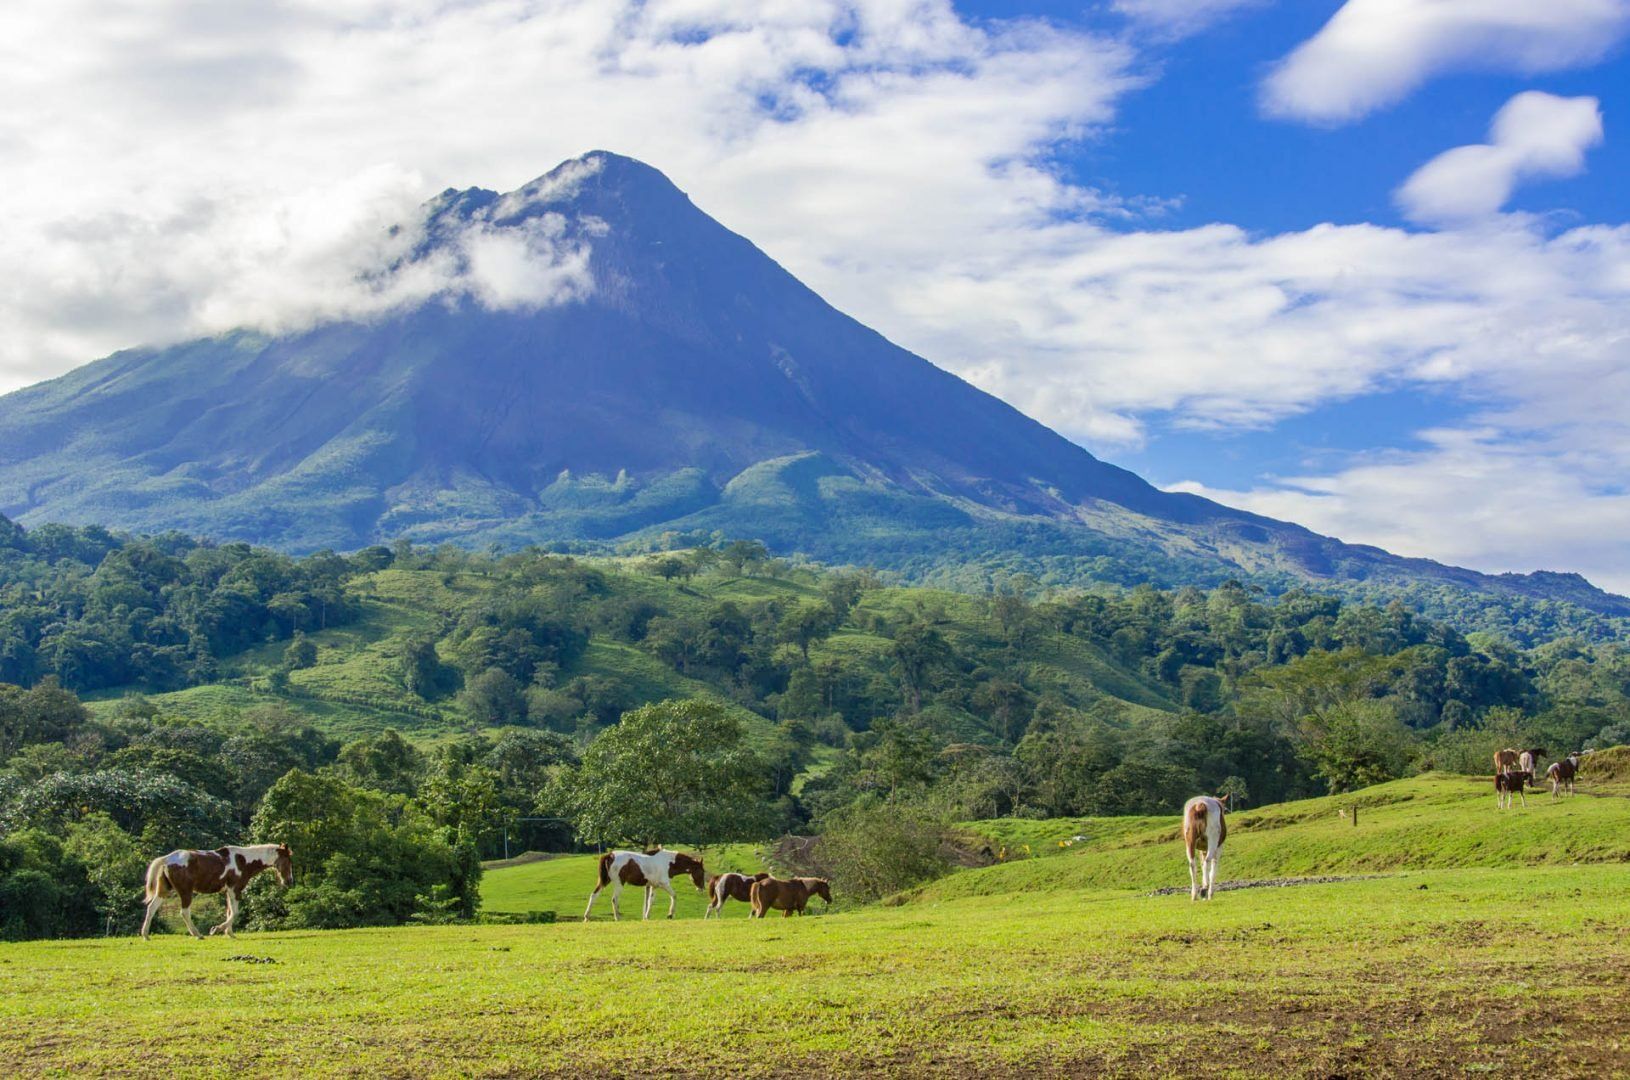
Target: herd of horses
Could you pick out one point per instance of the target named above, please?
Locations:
(229, 870)
(1514, 773)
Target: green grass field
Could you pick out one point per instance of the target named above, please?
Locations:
(1491, 943)
(562, 884)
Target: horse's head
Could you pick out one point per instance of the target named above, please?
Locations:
(285, 865)
(689, 864)
(760, 876)
(822, 888)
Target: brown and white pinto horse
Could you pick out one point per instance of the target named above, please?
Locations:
(786, 896)
(225, 870)
(722, 887)
(1509, 784)
(1561, 774)
(652, 869)
(1203, 826)
(1528, 759)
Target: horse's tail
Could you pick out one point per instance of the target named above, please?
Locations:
(156, 882)
(605, 869)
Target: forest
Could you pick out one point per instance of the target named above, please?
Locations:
(402, 714)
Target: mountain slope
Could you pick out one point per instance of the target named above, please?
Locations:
(633, 368)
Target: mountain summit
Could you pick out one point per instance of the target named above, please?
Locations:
(595, 358)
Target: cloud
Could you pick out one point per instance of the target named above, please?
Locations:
(1373, 53)
(1535, 135)
(1180, 18)
(1473, 497)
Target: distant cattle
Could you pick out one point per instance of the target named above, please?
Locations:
(786, 896)
(1509, 785)
(651, 870)
(225, 870)
(1561, 774)
(1204, 826)
(732, 886)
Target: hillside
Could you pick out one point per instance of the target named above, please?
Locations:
(1424, 823)
(663, 376)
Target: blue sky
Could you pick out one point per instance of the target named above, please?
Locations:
(1361, 264)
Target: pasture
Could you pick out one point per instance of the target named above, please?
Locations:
(1466, 956)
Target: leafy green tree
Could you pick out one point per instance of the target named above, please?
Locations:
(493, 698)
(113, 865)
(676, 771)
(301, 653)
(1355, 744)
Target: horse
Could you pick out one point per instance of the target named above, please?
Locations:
(722, 887)
(1561, 774)
(652, 869)
(1528, 759)
(1508, 784)
(225, 870)
(786, 896)
(1506, 760)
(1203, 825)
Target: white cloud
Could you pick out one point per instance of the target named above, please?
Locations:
(1535, 135)
(1473, 497)
(1373, 53)
(1180, 18)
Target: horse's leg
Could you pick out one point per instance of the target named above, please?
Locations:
(649, 893)
(152, 909)
(1194, 887)
(225, 925)
(186, 917)
(673, 898)
(592, 896)
(1212, 858)
(616, 895)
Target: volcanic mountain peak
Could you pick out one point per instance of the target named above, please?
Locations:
(591, 357)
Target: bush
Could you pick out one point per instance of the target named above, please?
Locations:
(876, 847)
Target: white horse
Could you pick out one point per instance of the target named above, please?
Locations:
(653, 869)
(1203, 825)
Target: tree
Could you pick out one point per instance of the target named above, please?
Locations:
(1357, 743)
(113, 864)
(807, 624)
(301, 653)
(421, 668)
(675, 771)
(493, 698)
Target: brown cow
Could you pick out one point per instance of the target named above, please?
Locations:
(732, 886)
(225, 870)
(786, 896)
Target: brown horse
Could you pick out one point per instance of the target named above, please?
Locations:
(1561, 774)
(1508, 784)
(786, 896)
(1507, 760)
(722, 887)
(225, 870)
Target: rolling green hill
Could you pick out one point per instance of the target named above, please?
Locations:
(355, 686)
(1426, 822)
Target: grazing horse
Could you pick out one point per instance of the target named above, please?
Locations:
(1506, 760)
(652, 869)
(1203, 825)
(1528, 759)
(1508, 784)
(786, 896)
(1561, 774)
(722, 887)
(225, 870)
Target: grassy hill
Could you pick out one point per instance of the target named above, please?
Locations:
(355, 686)
(1427, 822)
(1421, 973)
